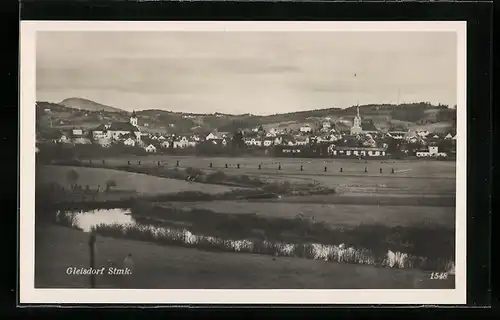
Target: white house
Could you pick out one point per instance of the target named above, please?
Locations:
(306, 128)
(63, 139)
(77, 132)
(129, 142)
(433, 150)
(326, 126)
(182, 142)
(214, 136)
(278, 140)
(117, 129)
(150, 148)
(161, 138)
(301, 141)
(423, 154)
(268, 142)
(448, 136)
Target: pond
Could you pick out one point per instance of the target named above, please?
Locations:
(85, 220)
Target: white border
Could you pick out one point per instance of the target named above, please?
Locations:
(28, 294)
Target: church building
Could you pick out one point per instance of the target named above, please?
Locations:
(356, 127)
(360, 126)
(119, 129)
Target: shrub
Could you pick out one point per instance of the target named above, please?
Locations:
(194, 171)
(217, 176)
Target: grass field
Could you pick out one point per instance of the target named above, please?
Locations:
(126, 181)
(160, 267)
(403, 168)
(363, 199)
(411, 178)
(335, 215)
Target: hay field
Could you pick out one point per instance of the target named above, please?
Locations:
(335, 215)
(127, 181)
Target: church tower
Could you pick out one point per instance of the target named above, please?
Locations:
(133, 119)
(356, 128)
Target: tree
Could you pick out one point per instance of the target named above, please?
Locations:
(72, 177)
(110, 183)
(237, 140)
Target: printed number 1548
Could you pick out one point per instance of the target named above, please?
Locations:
(439, 275)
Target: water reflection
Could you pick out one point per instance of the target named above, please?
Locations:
(85, 220)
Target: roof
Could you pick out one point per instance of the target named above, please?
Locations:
(368, 126)
(101, 127)
(359, 148)
(122, 126)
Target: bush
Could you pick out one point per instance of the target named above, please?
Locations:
(194, 171)
(217, 176)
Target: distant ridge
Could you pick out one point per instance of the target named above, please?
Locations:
(85, 104)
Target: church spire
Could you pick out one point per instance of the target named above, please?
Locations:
(357, 110)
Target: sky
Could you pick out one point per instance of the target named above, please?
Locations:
(246, 72)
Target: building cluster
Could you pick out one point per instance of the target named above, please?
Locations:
(362, 139)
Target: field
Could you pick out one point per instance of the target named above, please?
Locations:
(410, 178)
(335, 215)
(384, 210)
(160, 267)
(126, 181)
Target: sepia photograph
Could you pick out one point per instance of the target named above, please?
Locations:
(243, 162)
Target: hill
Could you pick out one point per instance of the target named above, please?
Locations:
(85, 104)
(83, 113)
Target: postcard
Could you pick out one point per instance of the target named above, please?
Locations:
(243, 162)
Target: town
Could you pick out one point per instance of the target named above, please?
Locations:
(316, 139)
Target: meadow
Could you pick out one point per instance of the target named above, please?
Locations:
(335, 215)
(416, 201)
(125, 181)
(173, 267)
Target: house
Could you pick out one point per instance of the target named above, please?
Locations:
(77, 132)
(222, 141)
(215, 136)
(165, 144)
(181, 142)
(432, 151)
(301, 141)
(161, 138)
(448, 136)
(268, 142)
(305, 128)
(99, 133)
(343, 151)
(423, 153)
(150, 148)
(129, 142)
(117, 129)
(252, 141)
(63, 139)
(278, 140)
